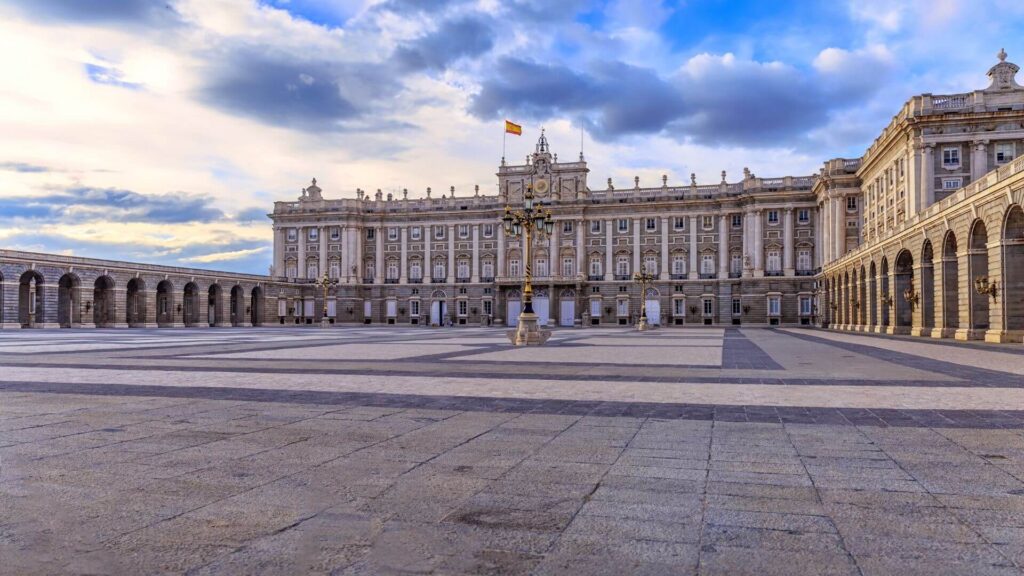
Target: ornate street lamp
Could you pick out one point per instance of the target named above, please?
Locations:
(643, 279)
(325, 282)
(982, 286)
(524, 224)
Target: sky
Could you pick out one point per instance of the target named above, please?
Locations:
(162, 131)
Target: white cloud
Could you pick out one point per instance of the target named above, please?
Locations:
(225, 256)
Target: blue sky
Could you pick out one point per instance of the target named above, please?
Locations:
(164, 130)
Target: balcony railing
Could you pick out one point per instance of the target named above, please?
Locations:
(595, 277)
(391, 280)
(735, 274)
(773, 272)
(462, 280)
(438, 280)
(679, 276)
(487, 278)
(415, 280)
(708, 275)
(805, 272)
(622, 276)
(367, 280)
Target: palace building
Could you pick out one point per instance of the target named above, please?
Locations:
(922, 235)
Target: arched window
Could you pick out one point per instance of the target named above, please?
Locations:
(311, 268)
(679, 264)
(415, 270)
(463, 268)
(439, 269)
(622, 265)
(392, 270)
(595, 266)
(651, 264)
(335, 269)
(568, 266)
(488, 268)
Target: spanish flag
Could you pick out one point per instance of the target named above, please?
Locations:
(511, 128)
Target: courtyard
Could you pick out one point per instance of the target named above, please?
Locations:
(401, 450)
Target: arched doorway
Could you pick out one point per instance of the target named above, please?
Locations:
(927, 287)
(567, 307)
(847, 304)
(1013, 272)
(69, 296)
(438, 307)
(256, 306)
(862, 297)
(904, 281)
(886, 301)
(103, 302)
(190, 305)
(214, 308)
(872, 295)
(31, 300)
(542, 307)
(135, 303)
(513, 306)
(237, 305)
(165, 304)
(950, 285)
(652, 300)
(977, 266)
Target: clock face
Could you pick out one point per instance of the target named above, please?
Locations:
(541, 186)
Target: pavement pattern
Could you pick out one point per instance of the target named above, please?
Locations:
(402, 450)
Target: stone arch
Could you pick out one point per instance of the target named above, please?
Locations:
(652, 292)
(256, 304)
(977, 266)
(190, 304)
(904, 276)
(103, 305)
(862, 296)
(236, 309)
(886, 295)
(927, 285)
(950, 284)
(846, 304)
(31, 299)
(1012, 295)
(135, 303)
(214, 305)
(872, 302)
(165, 304)
(69, 300)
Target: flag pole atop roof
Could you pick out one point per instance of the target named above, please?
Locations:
(510, 128)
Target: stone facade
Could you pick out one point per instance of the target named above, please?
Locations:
(941, 246)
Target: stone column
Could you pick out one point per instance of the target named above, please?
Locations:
(692, 248)
(979, 160)
(609, 249)
(928, 177)
(788, 241)
(758, 243)
(748, 244)
(378, 255)
(723, 246)
(279, 239)
(838, 227)
(428, 264)
(581, 253)
(637, 247)
(300, 268)
(403, 271)
(817, 255)
(500, 263)
(664, 271)
(149, 305)
(450, 270)
(321, 265)
(345, 263)
(475, 271)
(554, 258)
(917, 313)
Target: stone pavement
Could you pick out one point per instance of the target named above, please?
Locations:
(414, 451)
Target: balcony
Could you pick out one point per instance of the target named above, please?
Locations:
(367, 280)
(415, 280)
(735, 274)
(805, 272)
(708, 275)
(391, 280)
(462, 280)
(773, 272)
(623, 277)
(487, 278)
(679, 276)
(438, 280)
(595, 277)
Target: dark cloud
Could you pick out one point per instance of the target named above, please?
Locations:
(403, 7)
(454, 39)
(82, 203)
(22, 167)
(717, 101)
(252, 215)
(282, 90)
(153, 12)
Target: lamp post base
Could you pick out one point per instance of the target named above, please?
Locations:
(325, 323)
(528, 332)
(642, 324)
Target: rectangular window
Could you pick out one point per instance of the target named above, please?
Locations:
(651, 224)
(736, 307)
(805, 306)
(622, 308)
(414, 307)
(488, 230)
(335, 233)
(541, 265)
(488, 269)
(595, 267)
(463, 231)
(392, 233)
(707, 222)
(709, 307)
(803, 216)
(595, 226)
(774, 305)
(513, 267)
(623, 225)
(736, 264)
(463, 307)
(439, 232)
(803, 260)
(951, 183)
(414, 232)
(370, 233)
(707, 264)
(313, 234)
(488, 307)
(737, 220)
(679, 307)
(567, 226)
(679, 264)
(851, 203)
(1004, 152)
(292, 234)
(774, 261)
(950, 157)
(568, 267)
(773, 216)
(679, 222)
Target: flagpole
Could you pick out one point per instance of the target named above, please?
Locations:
(504, 136)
